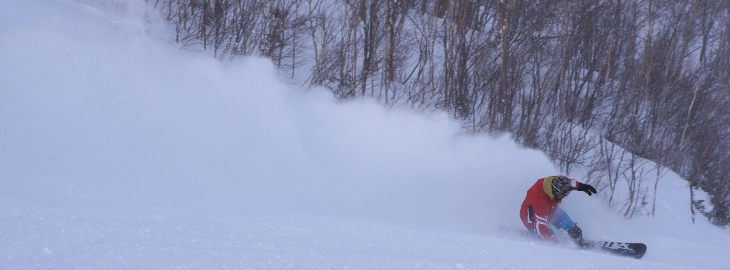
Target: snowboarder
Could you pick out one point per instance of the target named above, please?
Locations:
(540, 207)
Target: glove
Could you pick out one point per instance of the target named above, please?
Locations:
(586, 188)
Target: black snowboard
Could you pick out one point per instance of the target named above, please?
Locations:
(633, 250)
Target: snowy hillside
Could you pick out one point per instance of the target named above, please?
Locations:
(120, 151)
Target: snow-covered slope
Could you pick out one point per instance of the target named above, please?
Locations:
(120, 151)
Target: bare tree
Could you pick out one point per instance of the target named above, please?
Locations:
(600, 84)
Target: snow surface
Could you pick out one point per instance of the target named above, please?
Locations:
(118, 150)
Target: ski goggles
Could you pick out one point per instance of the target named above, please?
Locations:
(561, 191)
(558, 192)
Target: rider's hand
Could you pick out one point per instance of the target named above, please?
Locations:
(587, 189)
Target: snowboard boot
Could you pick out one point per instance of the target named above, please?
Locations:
(577, 234)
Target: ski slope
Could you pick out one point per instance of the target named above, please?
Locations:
(118, 150)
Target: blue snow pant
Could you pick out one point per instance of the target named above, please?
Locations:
(561, 220)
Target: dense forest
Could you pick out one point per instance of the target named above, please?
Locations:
(604, 85)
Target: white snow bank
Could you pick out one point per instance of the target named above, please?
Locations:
(102, 105)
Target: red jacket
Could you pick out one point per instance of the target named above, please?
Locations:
(540, 197)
